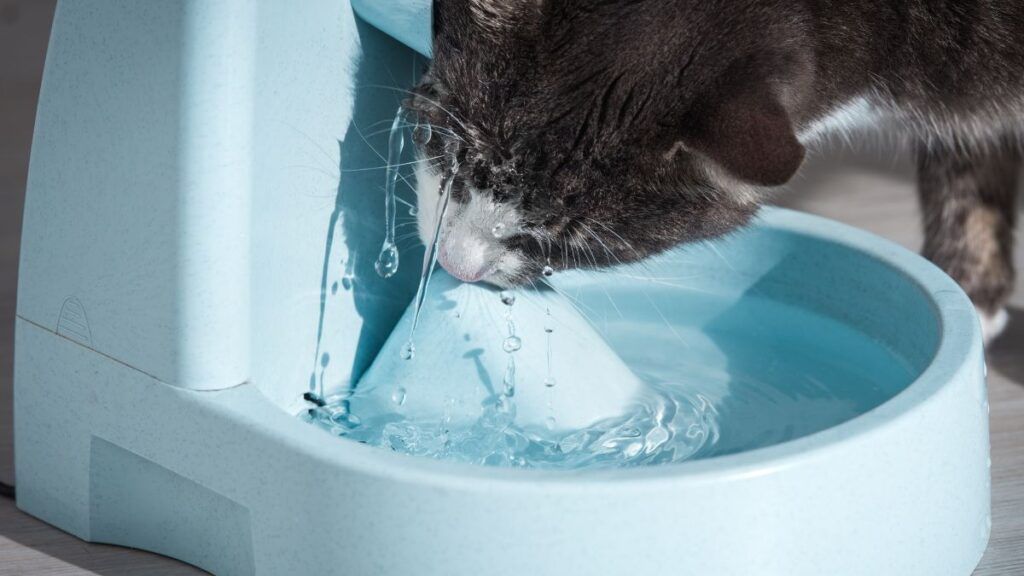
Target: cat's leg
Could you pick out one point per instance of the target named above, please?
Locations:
(968, 199)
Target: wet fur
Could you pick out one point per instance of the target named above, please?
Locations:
(617, 129)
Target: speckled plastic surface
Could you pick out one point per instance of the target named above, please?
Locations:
(198, 186)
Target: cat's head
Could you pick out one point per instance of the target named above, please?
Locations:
(589, 133)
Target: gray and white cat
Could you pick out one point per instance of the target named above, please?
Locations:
(620, 128)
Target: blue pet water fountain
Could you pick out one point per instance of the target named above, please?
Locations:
(203, 215)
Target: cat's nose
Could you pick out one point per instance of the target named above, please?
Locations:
(465, 259)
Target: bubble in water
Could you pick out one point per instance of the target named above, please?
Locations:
(408, 351)
(507, 298)
(387, 262)
(398, 396)
(499, 230)
(511, 344)
(346, 419)
(548, 271)
(504, 404)
(656, 437)
(422, 133)
(630, 432)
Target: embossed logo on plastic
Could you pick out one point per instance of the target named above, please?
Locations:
(73, 322)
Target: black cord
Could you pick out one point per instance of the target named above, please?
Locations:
(7, 490)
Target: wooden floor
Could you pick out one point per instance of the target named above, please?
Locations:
(869, 187)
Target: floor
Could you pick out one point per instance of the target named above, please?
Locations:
(867, 185)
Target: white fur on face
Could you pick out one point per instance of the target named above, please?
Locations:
(428, 194)
(849, 117)
(468, 241)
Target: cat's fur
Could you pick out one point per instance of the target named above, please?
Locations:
(603, 131)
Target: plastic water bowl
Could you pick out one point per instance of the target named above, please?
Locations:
(172, 308)
(864, 452)
(846, 379)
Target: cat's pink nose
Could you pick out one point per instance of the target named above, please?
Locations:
(463, 260)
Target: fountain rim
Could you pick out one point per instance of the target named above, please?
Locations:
(959, 346)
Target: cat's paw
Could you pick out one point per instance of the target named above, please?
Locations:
(992, 324)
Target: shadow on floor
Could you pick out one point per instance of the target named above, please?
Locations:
(48, 550)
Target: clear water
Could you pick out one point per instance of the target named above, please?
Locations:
(720, 376)
(429, 262)
(755, 374)
(387, 260)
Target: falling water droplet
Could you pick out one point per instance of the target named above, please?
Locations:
(549, 380)
(511, 344)
(548, 271)
(346, 281)
(387, 262)
(334, 288)
(510, 378)
(408, 351)
(507, 298)
(398, 396)
(499, 230)
(325, 359)
(430, 256)
(549, 422)
(413, 211)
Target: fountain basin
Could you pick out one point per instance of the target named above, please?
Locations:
(182, 287)
(904, 482)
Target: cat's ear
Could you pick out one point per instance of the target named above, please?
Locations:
(748, 134)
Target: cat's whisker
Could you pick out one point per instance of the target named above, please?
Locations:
(385, 166)
(422, 97)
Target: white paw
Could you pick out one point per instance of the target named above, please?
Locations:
(992, 325)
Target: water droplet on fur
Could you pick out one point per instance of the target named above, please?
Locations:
(499, 230)
(387, 262)
(422, 133)
(548, 271)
